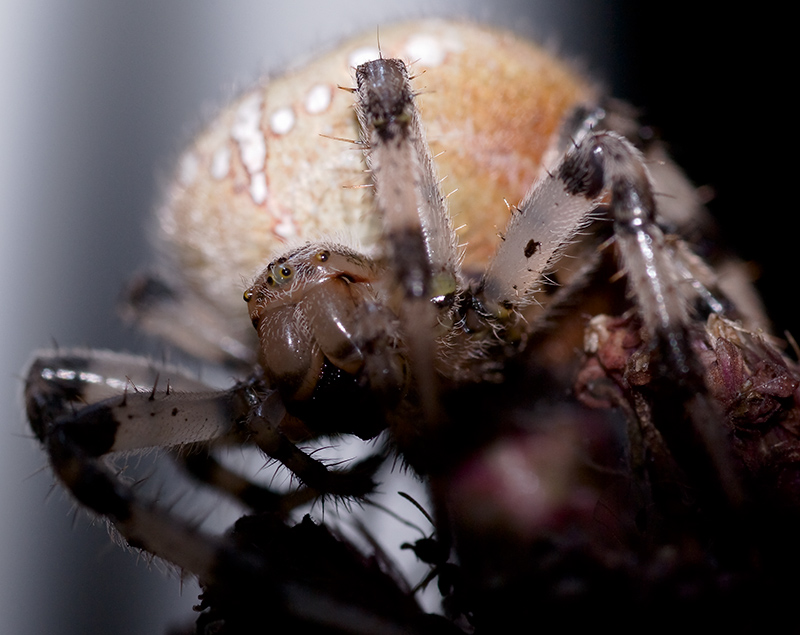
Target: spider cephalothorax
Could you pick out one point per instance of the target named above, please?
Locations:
(477, 360)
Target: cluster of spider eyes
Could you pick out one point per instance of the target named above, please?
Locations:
(282, 272)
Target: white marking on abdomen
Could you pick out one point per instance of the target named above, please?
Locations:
(247, 133)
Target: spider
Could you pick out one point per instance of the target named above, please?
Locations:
(590, 395)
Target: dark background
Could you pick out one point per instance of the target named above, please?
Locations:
(717, 83)
(96, 101)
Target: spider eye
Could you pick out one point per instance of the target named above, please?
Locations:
(282, 272)
(323, 256)
(247, 295)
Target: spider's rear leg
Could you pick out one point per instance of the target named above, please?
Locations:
(170, 309)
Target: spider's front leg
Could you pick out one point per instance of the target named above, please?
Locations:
(419, 244)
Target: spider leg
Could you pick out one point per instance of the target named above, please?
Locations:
(170, 310)
(60, 385)
(85, 397)
(203, 466)
(263, 429)
(724, 285)
(602, 167)
(258, 566)
(255, 563)
(419, 241)
(418, 234)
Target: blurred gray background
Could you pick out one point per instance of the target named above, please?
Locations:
(96, 99)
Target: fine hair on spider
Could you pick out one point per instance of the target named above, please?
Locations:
(591, 400)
